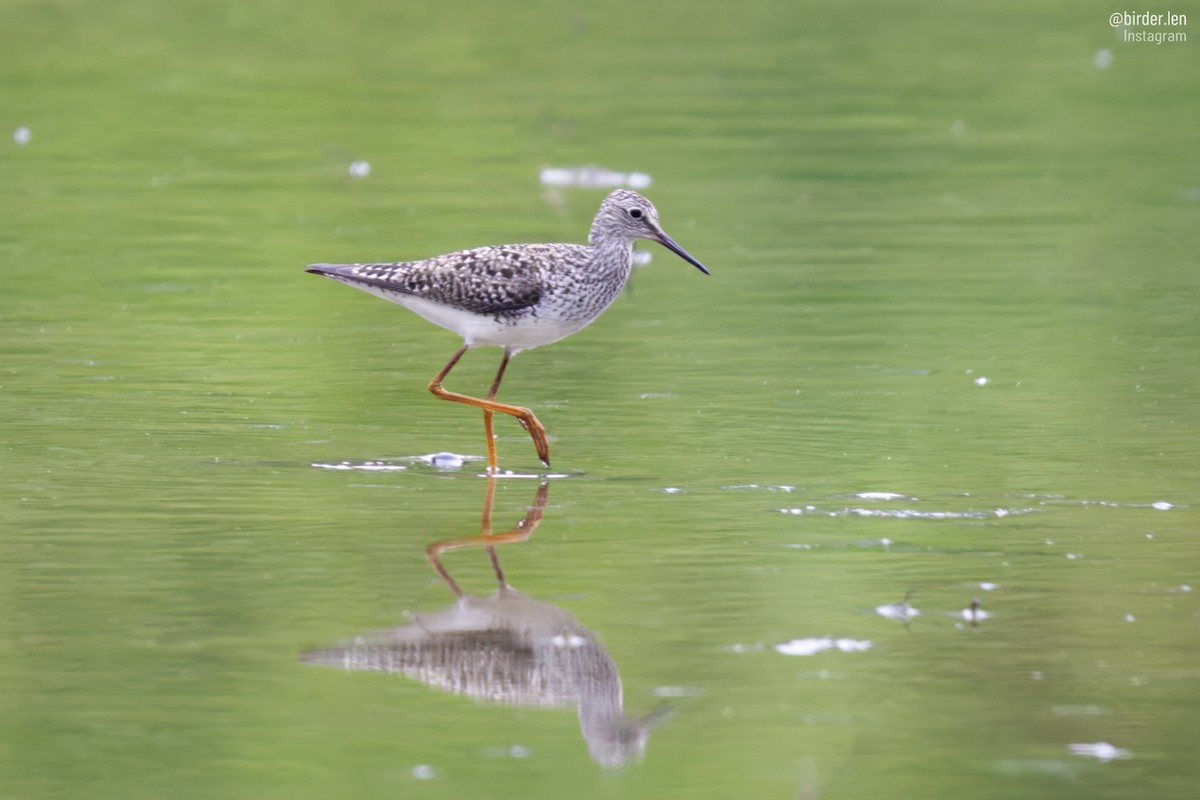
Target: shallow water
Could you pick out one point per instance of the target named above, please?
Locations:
(946, 355)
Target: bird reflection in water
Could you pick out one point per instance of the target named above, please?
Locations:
(507, 648)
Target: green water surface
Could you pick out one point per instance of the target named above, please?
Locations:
(948, 351)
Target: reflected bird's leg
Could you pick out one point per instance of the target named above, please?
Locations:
(528, 421)
(486, 538)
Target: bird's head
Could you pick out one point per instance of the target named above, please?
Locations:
(627, 215)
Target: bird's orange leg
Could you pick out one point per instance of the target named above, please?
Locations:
(487, 415)
(528, 421)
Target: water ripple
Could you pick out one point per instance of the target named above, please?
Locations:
(905, 513)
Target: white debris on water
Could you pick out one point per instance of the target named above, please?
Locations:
(988, 586)
(443, 460)
(1103, 58)
(973, 613)
(367, 466)
(508, 473)
(744, 486)
(901, 612)
(22, 135)
(424, 772)
(904, 513)
(446, 460)
(359, 169)
(813, 645)
(590, 176)
(1157, 505)
(1099, 750)
(981, 381)
(883, 496)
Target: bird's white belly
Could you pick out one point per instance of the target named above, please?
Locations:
(481, 329)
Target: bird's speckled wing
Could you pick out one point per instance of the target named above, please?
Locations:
(484, 280)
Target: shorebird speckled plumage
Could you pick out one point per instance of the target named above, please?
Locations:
(517, 296)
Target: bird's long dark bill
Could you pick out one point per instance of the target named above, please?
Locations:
(669, 243)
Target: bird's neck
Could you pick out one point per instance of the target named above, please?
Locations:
(611, 255)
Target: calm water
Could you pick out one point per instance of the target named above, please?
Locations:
(947, 353)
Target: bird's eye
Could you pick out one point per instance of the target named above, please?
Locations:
(636, 213)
